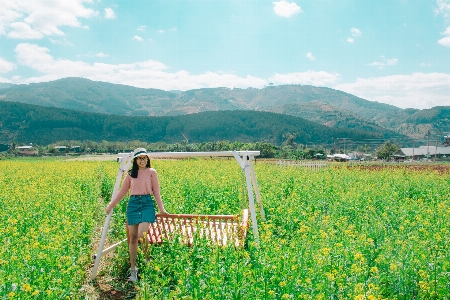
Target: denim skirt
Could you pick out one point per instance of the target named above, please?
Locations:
(141, 208)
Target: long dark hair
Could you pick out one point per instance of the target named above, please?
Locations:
(135, 168)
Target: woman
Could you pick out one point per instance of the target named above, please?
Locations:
(142, 182)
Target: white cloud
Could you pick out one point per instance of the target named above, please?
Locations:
(446, 40)
(146, 74)
(33, 56)
(6, 66)
(5, 80)
(316, 78)
(443, 7)
(8, 14)
(141, 28)
(101, 55)
(38, 18)
(137, 38)
(22, 30)
(286, 9)
(391, 61)
(60, 41)
(418, 90)
(377, 64)
(384, 62)
(109, 13)
(310, 56)
(355, 31)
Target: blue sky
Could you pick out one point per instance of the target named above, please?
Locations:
(390, 51)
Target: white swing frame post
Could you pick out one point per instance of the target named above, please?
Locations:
(245, 160)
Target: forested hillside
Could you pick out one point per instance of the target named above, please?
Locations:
(44, 125)
(321, 105)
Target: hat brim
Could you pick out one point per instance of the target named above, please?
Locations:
(142, 154)
(139, 153)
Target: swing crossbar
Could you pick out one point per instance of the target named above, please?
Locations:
(221, 230)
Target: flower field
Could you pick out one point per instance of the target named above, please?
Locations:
(335, 233)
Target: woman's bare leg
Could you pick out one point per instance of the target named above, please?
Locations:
(142, 233)
(133, 232)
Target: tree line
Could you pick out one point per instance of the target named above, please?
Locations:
(288, 150)
(25, 123)
(268, 150)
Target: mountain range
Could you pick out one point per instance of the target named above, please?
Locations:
(324, 106)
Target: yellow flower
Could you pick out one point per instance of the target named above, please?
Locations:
(359, 256)
(393, 267)
(326, 251)
(359, 288)
(26, 287)
(374, 270)
(271, 292)
(355, 269)
(425, 286)
(283, 283)
(330, 276)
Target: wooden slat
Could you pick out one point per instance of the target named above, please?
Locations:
(219, 229)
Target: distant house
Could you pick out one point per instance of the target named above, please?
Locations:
(341, 157)
(27, 150)
(67, 149)
(75, 149)
(446, 141)
(412, 153)
(424, 151)
(436, 151)
(61, 149)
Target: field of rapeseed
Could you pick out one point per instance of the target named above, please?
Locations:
(336, 233)
(48, 215)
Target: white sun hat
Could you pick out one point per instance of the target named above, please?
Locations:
(138, 152)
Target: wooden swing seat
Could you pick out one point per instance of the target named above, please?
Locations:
(221, 230)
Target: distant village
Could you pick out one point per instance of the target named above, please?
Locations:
(424, 153)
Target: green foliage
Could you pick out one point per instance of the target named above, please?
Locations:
(386, 150)
(45, 125)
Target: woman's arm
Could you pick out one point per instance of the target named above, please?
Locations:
(119, 196)
(157, 192)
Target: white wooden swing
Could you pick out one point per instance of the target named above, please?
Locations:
(219, 229)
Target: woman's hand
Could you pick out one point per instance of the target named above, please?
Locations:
(108, 209)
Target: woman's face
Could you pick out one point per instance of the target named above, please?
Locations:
(142, 161)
